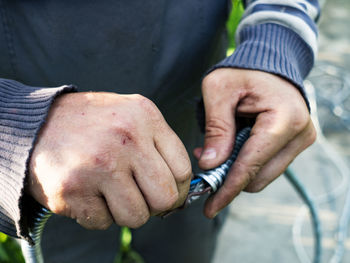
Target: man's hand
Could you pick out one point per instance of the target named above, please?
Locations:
(282, 129)
(103, 157)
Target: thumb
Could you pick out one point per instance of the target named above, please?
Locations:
(197, 152)
(219, 132)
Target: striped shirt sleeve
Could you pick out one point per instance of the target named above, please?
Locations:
(23, 110)
(277, 36)
(299, 16)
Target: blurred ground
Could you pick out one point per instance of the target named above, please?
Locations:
(259, 228)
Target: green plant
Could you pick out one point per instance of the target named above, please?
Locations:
(10, 251)
(126, 253)
(232, 23)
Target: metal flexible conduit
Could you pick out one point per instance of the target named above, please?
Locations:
(33, 253)
(210, 181)
(216, 176)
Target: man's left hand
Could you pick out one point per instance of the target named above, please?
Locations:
(282, 129)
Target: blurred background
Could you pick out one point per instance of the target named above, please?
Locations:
(274, 225)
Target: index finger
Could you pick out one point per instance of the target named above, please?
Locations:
(268, 136)
(175, 156)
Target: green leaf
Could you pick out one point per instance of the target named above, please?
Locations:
(3, 237)
(126, 238)
(232, 24)
(4, 257)
(10, 251)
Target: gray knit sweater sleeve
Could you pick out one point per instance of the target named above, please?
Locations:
(278, 37)
(23, 110)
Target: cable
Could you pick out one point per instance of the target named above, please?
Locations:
(342, 94)
(298, 186)
(343, 224)
(338, 85)
(33, 253)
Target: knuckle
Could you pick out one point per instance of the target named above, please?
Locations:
(140, 222)
(165, 203)
(134, 215)
(210, 81)
(143, 220)
(299, 120)
(135, 221)
(248, 171)
(88, 225)
(171, 201)
(217, 80)
(71, 187)
(123, 128)
(147, 106)
(296, 126)
(217, 127)
(91, 226)
(132, 224)
(101, 222)
(254, 170)
(186, 173)
(94, 218)
(311, 135)
(104, 225)
(255, 187)
(102, 160)
(137, 97)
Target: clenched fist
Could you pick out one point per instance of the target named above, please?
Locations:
(103, 158)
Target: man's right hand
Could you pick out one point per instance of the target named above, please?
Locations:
(103, 158)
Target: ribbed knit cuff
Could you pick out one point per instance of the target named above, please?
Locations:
(23, 110)
(275, 49)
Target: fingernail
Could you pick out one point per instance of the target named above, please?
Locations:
(208, 154)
